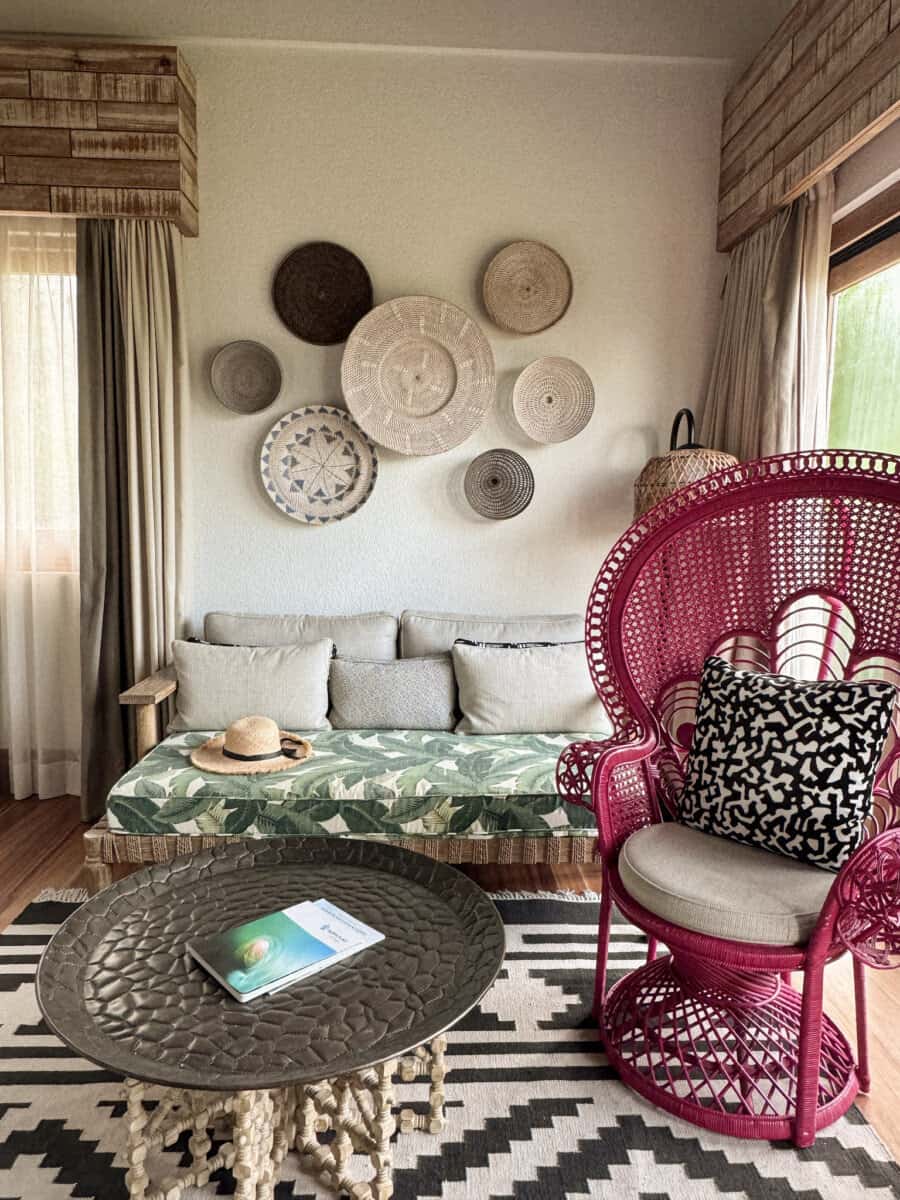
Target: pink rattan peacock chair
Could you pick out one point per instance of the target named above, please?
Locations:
(789, 565)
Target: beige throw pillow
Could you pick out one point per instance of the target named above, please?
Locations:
(529, 689)
(435, 632)
(219, 684)
(364, 635)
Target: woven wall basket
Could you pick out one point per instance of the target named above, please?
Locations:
(682, 465)
(418, 375)
(317, 466)
(527, 287)
(320, 291)
(499, 484)
(246, 376)
(553, 399)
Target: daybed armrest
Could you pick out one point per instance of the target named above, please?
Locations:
(145, 696)
(864, 902)
(616, 775)
(152, 690)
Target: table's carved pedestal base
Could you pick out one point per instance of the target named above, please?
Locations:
(267, 1125)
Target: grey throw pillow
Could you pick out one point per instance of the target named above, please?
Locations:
(410, 693)
(526, 689)
(219, 684)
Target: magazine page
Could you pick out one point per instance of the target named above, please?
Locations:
(334, 927)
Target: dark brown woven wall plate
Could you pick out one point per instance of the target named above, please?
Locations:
(320, 291)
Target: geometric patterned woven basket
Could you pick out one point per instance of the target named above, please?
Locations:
(317, 465)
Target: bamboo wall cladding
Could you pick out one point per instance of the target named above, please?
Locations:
(826, 82)
(98, 130)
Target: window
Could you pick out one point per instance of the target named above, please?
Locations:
(40, 406)
(40, 709)
(865, 382)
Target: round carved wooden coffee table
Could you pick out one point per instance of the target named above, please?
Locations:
(117, 985)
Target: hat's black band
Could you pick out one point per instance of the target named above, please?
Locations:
(252, 757)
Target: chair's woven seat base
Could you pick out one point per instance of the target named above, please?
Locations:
(720, 1047)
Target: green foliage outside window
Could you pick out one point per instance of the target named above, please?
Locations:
(865, 391)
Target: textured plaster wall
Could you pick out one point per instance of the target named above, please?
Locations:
(425, 163)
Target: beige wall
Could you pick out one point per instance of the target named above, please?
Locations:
(425, 163)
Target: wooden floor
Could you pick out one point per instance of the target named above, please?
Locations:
(40, 847)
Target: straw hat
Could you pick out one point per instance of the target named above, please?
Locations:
(250, 746)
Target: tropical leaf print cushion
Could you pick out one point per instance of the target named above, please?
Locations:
(399, 783)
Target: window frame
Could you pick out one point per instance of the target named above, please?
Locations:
(873, 252)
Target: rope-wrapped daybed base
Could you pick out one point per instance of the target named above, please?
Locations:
(103, 848)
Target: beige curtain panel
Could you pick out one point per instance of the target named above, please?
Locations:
(768, 391)
(148, 260)
(133, 404)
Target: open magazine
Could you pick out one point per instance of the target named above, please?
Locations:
(274, 951)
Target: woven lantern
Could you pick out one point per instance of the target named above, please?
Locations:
(682, 465)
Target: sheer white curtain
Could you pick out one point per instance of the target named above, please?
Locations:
(40, 702)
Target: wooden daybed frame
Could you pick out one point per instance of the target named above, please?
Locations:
(103, 848)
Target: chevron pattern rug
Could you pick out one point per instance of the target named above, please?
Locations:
(533, 1110)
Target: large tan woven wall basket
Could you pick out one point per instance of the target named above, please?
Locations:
(418, 375)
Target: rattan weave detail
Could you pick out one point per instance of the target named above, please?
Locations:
(553, 399)
(800, 527)
(418, 375)
(527, 287)
(499, 484)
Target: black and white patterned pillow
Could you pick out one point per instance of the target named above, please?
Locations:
(784, 764)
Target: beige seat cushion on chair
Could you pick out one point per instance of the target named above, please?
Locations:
(722, 888)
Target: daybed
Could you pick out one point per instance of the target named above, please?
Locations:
(456, 797)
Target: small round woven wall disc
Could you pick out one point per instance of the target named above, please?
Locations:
(527, 287)
(320, 292)
(553, 399)
(245, 376)
(499, 484)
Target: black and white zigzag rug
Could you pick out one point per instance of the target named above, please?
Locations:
(534, 1111)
